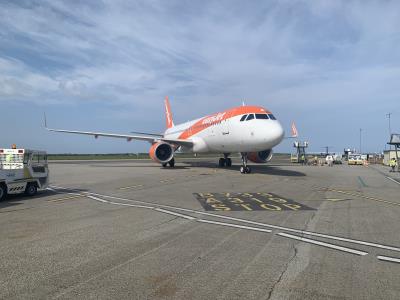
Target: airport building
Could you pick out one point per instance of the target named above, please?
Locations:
(388, 155)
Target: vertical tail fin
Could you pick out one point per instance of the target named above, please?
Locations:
(168, 114)
(294, 130)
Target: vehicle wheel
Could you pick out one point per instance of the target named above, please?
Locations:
(242, 170)
(228, 162)
(172, 163)
(248, 170)
(221, 162)
(164, 165)
(31, 189)
(3, 192)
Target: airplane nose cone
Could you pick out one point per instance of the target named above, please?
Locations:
(277, 133)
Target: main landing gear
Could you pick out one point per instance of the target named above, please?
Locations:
(244, 169)
(171, 163)
(225, 161)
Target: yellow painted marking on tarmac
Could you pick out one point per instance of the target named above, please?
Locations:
(364, 197)
(65, 198)
(131, 187)
(167, 180)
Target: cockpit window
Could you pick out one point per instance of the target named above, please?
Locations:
(262, 116)
(250, 117)
(271, 116)
(242, 118)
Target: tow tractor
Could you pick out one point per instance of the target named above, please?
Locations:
(22, 171)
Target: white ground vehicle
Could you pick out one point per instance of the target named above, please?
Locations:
(22, 171)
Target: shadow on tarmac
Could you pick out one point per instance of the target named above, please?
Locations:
(258, 169)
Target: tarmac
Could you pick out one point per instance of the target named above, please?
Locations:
(133, 230)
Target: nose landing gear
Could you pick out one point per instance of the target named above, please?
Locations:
(244, 169)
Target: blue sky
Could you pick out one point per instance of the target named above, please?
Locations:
(332, 66)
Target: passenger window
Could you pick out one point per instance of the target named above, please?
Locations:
(250, 117)
(262, 116)
(271, 116)
(242, 118)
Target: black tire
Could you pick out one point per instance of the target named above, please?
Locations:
(221, 162)
(228, 162)
(248, 170)
(172, 163)
(164, 165)
(3, 192)
(31, 189)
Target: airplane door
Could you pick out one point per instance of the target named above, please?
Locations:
(225, 133)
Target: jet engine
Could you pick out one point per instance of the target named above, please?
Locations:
(260, 157)
(161, 152)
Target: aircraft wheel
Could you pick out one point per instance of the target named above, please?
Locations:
(31, 189)
(248, 170)
(228, 162)
(164, 165)
(221, 162)
(3, 192)
(172, 163)
(242, 170)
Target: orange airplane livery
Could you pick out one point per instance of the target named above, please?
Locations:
(251, 131)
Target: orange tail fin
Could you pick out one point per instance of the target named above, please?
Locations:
(168, 114)
(294, 130)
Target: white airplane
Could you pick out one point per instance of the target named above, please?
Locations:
(251, 131)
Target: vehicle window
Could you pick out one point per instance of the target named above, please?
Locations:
(250, 117)
(262, 116)
(35, 158)
(271, 116)
(242, 118)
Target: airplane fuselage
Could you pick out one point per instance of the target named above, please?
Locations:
(240, 129)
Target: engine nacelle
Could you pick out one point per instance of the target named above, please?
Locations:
(260, 157)
(161, 152)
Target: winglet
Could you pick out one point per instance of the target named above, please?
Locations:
(168, 114)
(294, 131)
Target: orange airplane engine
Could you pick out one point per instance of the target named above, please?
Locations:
(161, 152)
(260, 157)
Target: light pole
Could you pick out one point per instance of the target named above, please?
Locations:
(360, 140)
(390, 131)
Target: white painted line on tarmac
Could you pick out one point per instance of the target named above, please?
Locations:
(174, 214)
(97, 199)
(340, 248)
(233, 225)
(365, 243)
(394, 180)
(143, 206)
(388, 258)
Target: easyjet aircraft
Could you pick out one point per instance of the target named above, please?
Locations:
(251, 131)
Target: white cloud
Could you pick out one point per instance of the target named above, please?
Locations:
(205, 55)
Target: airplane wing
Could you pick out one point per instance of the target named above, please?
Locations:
(128, 137)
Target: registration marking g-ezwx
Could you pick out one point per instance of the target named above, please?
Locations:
(247, 201)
